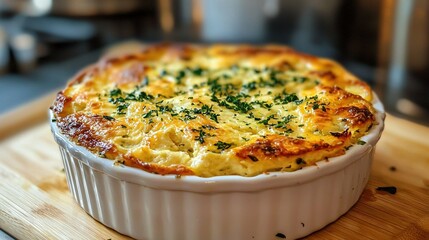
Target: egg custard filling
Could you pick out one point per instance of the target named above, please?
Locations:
(215, 110)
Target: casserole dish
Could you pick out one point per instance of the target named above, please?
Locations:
(149, 206)
(216, 142)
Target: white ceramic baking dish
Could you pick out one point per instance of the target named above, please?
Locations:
(149, 206)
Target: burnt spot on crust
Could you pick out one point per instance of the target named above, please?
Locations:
(343, 135)
(156, 168)
(83, 130)
(356, 115)
(253, 158)
(280, 146)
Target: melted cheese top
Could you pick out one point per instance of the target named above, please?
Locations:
(215, 110)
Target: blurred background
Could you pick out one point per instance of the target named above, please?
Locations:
(384, 42)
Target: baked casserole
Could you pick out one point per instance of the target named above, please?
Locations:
(209, 121)
(215, 110)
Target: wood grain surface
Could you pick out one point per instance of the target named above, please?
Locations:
(35, 202)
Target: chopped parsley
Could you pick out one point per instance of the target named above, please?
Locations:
(145, 81)
(197, 71)
(109, 118)
(120, 109)
(139, 97)
(201, 136)
(180, 76)
(237, 103)
(222, 145)
(267, 120)
(115, 92)
(188, 114)
(315, 105)
(299, 79)
(206, 110)
(151, 113)
(163, 73)
(286, 98)
(250, 86)
(117, 100)
(360, 142)
(285, 120)
(263, 104)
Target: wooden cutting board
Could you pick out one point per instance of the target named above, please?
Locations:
(35, 202)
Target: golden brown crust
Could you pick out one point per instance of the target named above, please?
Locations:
(215, 110)
(155, 168)
(61, 102)
(82, 129)
(281, 146)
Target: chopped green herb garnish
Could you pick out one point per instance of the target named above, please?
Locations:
(115, 92)
(165, 109)
(360, 142)
(109, 118)
(120, 109)
(163, 72)
(201, 136)
(222, 145)
(263, 104)
(145, 81)
(239, 105)
(180, 76)
(151, 113)
(286, 98)
(285, 120)
(267, 120)
(117, 100)
(250, 86)
(197, 71)
(315, 106)
(299, 79)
